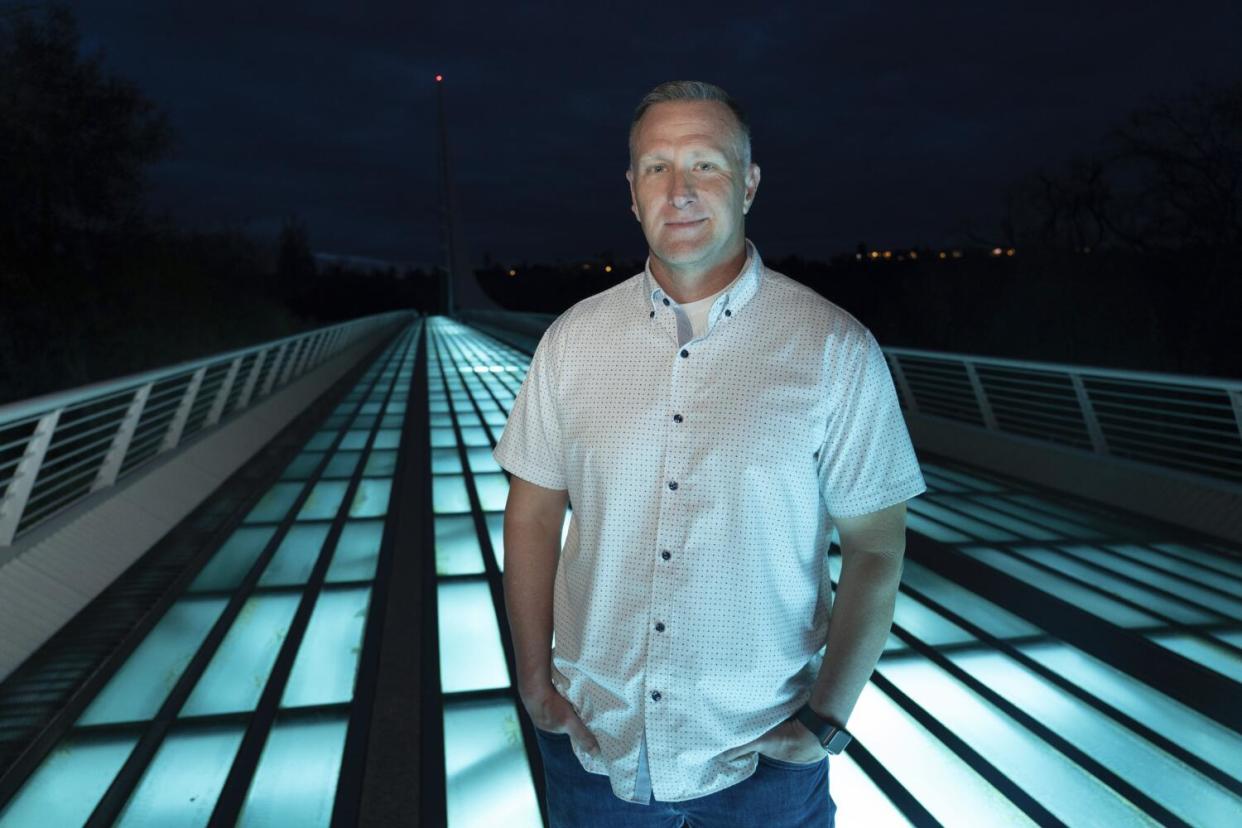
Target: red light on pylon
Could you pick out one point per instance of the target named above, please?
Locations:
(439, 78)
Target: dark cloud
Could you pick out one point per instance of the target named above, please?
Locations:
(888, 122)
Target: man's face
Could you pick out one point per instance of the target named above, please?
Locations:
(687, 184)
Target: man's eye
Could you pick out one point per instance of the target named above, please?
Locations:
(707, 165)
(655, 168)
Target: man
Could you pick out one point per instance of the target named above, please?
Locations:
(710, 421)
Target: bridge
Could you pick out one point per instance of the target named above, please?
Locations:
(264, 588)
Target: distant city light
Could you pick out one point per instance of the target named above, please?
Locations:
(586, 266)
(996, 251)
(512, 272)
(439, 78)
(888, 254)
(943, 254)
(875, 254)
(858, 256)
(914, 254)
(1010, 252)
(608, 268)
(957, 254)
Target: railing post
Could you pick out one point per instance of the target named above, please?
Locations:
(270, 382)
(1098, 444)
(308, 353)
(312, 357)
(981, 396)
(222, 394)
(899, 377)
(18, 492)
(248, 389)
(296, 349)
(1235, 400)
(111, 465)
(177, 424)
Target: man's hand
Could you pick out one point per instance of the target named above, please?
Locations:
(551, 713)
(789, 741)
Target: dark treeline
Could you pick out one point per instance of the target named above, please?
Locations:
(91, 285)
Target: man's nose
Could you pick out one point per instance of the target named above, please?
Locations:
(681, 190)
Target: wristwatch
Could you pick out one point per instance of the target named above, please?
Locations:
(831, 735)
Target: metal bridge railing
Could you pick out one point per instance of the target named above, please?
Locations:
(59, 448)
(1188, 424)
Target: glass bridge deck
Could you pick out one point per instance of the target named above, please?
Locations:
(1057, 707)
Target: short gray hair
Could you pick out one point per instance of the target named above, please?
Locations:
(683, 90)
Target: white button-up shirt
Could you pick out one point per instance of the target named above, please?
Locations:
(692, 596)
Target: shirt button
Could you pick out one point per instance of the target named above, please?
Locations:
(659, 627)
(728, 313)
(655, 695)
(666, 301)
(666, 554)
(652, 315)
(677, 418)
(672, 484)
(684, 353)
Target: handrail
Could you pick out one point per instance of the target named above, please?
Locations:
(42, 431)
(1165, 420)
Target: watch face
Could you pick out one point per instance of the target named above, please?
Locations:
(837, 741)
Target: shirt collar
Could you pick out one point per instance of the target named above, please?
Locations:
(734, 296)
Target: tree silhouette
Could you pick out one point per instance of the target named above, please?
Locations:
(74, 140)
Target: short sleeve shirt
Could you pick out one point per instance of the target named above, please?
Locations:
(692, 594)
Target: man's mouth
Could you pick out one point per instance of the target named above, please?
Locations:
(680, 224)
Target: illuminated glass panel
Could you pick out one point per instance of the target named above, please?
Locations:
(387, 438)
(471, 657)
(481, 459)
(295, 782)
(445, 461)
(993, 619)
(371, 498)
(968, 480)
(448, 494)
(442, 438)
(1154, 577)
(493, 491)
(230, 563)
(355, 439)
(67, 786)
(1212, 562)
(324, 500)
(487, 776)
(235, 678)
(296, 556)
(1072, 529)
(357, 551)
(303, 466)
(327, 660)
(474, 437)
(275, 504)
(342, 464)
(381, 464)
(1198, 572)
(180, 787)
(457, 546)
(496, 534)
(137, 690)
(321, 440)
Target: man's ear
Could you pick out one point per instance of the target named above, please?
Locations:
(752, 186)
(629, 177)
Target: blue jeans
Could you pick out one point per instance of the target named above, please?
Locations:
(778, 795)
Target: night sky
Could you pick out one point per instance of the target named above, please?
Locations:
(894, 123)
